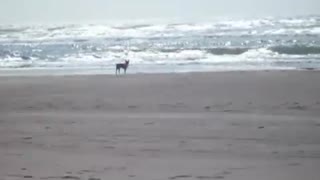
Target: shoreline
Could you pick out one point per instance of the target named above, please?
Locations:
(228, 92)
(102, 72)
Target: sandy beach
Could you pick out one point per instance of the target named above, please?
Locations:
(221, 125)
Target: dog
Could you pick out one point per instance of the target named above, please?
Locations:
(124, 66)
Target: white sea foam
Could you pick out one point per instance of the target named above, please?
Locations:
(246, 43)
(229, 27)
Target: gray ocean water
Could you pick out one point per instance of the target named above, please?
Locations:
(217, 45)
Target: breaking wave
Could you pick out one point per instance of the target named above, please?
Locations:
(269, 42)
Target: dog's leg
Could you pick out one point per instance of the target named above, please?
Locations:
(118, 70)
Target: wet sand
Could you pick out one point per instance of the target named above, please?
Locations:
(223, 125)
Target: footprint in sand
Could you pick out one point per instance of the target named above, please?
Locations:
(205, 177)
(62, 177)
(180, 176)
(94, 179)
(70, 177)
(275, 152)
(132, 107)
(297, 106)
(210, 177)
(87, 171)
(149, 123)
(294, 164)
(27, 177)
(182, 144)
(207, 108)
(218, 177)
(98, 106)
(27, 138)
(20, 176)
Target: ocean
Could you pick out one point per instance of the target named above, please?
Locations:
(288, 43)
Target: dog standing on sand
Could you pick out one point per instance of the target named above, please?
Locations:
(124, 66)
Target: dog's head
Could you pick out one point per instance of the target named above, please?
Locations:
(127, 61)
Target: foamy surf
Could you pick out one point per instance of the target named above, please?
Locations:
(256, 44)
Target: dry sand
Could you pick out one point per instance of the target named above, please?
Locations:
(202, 126)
